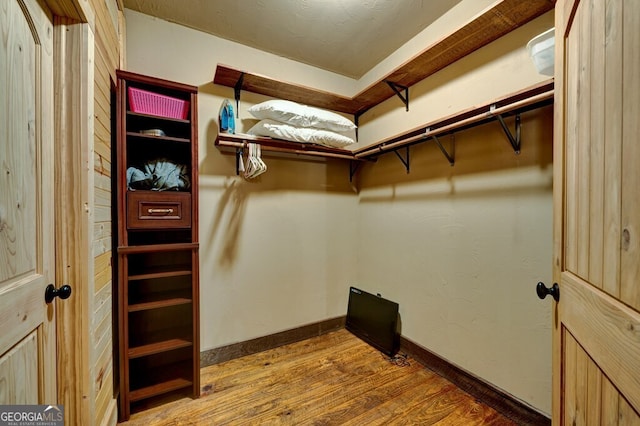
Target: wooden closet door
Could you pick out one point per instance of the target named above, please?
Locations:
(597, 213)
(27, 323)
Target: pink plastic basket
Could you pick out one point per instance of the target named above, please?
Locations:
(145, 102)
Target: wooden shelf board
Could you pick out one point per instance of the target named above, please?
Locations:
(157, 117)
(160, 138)
(159, 304)
(159, 347)
(160, 274)
(156, 248)
(134, 78)
(159, 389)
(256, 83)
(277, 145)
(491, 24)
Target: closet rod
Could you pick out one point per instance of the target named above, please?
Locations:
(488, 114)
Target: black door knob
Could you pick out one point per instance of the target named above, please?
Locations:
(51, 292)
(543, 290)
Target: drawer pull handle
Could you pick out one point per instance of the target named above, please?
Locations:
(165, 211)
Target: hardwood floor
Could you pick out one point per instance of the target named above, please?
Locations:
(333, 379)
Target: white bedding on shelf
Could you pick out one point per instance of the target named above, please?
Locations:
(275, 129)
(299, 115)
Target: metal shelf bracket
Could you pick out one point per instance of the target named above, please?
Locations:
(515, 141)
(450, 155)
(397, 89)
(405, 160)
(353, 168)
(236, 92)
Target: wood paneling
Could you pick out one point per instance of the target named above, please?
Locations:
(107, 60)
(582, 149)
(630, 266)
(596, 147)
(610, 403)
(103, 271)
(18, 122)
(105, 403)
(103, 212)
(607, 330)
(572, 102)
(74, 259)
(612, 147)
(78, 10)
(601, 134)
(332, 379)
(19, 372)
(591, 399)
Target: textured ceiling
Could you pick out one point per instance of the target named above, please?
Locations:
(347, 37)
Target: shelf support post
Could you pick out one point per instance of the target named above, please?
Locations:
(451, 156)
(397, 90)
(404, 160)
(236, 92)
(515, 141)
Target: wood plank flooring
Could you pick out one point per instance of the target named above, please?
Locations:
(333, 379)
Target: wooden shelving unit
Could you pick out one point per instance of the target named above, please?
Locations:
(157, 138)
(159, 389)
(156, 348)
(532, 97)
(157, 246)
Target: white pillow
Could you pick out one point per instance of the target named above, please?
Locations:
(287, 132)
(301, 115)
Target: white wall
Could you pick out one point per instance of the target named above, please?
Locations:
(460, 248)
(271, 260)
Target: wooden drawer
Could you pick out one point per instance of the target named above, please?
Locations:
(151, 209)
